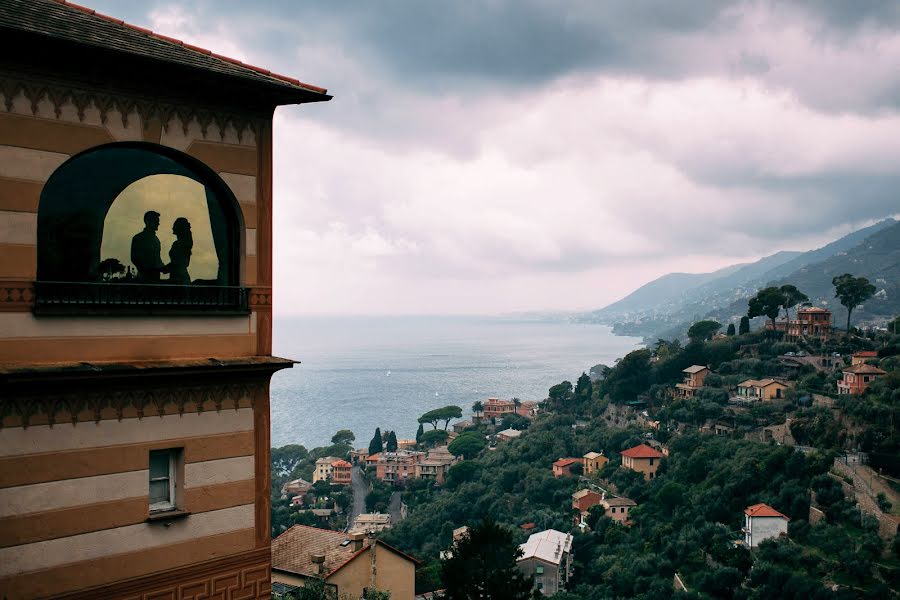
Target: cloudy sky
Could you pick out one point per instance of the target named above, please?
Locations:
(508, 155)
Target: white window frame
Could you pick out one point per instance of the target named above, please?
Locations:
(171, 503)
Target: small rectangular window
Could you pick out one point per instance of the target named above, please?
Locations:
(539, 570)
(163, 479)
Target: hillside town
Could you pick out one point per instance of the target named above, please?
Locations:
(746, 446)
(795, 388)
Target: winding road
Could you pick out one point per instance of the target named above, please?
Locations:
(360, 489)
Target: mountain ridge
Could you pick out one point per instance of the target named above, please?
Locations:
(666, 310)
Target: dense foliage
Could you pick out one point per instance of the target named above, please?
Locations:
(688, 518)
(483, 565)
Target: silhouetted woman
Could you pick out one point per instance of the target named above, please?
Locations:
(180, 253)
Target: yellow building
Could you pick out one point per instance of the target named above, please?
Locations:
(135, 310)
(593, 462)
(348, 563)
(762, 389)
(642, 459)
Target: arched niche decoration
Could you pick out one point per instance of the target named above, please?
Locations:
(72, 215)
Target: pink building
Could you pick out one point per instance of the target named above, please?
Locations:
(563, 466)
(398, 466)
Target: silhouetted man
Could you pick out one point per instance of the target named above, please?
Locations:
(145, 250)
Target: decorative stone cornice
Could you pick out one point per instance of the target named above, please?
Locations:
(16, 296)
(260, 298)
(21, 410)
(125, 104)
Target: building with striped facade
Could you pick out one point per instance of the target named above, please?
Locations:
(134, 392)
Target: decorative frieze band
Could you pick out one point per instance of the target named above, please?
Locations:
(261, 298)
(105, 102)
(50, 409)
(16, 296)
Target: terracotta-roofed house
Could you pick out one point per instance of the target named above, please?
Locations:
(398, 466)
(811, 321)
(863, 357)
(762, 522)
(341, 472)
(324, 468)
(563, 466)
(583, 500)
(857, 378)
(693, 381)
(495, 408)
(349, 563)
(642, 459)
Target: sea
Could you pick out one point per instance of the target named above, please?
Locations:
(359, 373)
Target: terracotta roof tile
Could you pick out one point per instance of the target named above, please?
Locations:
(291, 551)
(564, 462)
(763, 510)
(82, 25)
(642, 451)
(864, 369)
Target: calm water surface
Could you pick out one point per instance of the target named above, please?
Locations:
(359, 373)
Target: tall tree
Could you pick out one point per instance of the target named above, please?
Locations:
(344, 436)
(767, 302)
(482, 566)
(584, 387)
(631, 376)
(285, 459)
(852, 291)
(434, 437)
(419, 433)
(703, 330)
(445, 414)
(392, 442)
(792, 297)
(376, 445)
(477, 408)
(730, 331)
(467, 445)
(744, 326)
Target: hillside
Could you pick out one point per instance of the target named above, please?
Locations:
(877, 259)
(686, 519)
(663, 292)
(723, 294)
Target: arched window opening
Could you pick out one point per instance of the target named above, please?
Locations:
(136, 227)
(158, 230)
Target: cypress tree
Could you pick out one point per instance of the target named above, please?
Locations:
(419, 433)
(392, 442)
(730, 330)
(744, 327)
(375, 446)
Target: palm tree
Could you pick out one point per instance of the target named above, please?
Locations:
(516, 403)
(477, 409)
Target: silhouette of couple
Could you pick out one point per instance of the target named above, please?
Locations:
(146, 249)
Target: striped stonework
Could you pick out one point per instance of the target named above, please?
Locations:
(116, 401)
(74, 478)
(42, 125)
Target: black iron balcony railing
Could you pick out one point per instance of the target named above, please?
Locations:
(65, 297)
